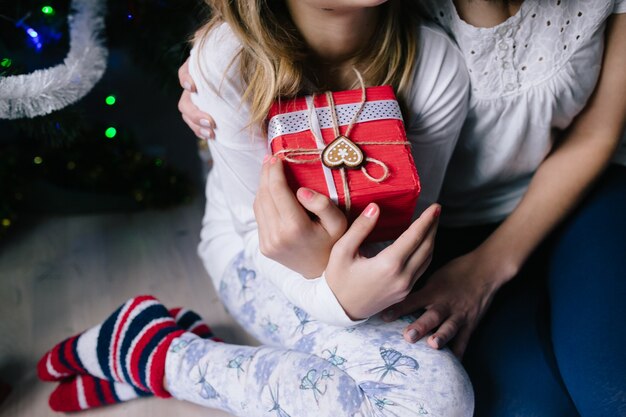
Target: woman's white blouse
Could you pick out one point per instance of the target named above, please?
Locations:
(438, 105)
(530, 76)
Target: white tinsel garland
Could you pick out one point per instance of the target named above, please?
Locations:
(44, 91)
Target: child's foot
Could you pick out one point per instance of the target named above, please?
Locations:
(85, 391)
(128, 347)
(191, 321)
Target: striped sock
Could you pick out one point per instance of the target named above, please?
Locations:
(85, 391)
(82, 392)
(192, 322)
(129, 347)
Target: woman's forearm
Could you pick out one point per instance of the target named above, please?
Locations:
(569, 171)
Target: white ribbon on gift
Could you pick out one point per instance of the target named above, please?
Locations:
(298, 121)
(317, 133)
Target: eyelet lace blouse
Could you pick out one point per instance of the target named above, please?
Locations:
(530, 76)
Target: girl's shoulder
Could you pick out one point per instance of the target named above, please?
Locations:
(214, 67)
(439, 59)
(219, 37)
(215, 53)
(435, 43)
(440, 74)
(433, 36)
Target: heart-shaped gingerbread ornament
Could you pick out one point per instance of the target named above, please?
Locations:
(342, 152)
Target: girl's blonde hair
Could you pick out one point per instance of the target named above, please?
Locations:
(275, 61)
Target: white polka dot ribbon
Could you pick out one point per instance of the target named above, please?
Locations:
(298, 121)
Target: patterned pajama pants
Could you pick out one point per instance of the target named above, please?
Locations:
(307, 368)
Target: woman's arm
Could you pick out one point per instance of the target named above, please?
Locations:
(570, 170)
(459, 293)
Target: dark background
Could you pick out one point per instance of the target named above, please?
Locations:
(152, 163)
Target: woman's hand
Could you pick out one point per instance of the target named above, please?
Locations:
(201, 123)
(286, 232)
(454, 300)
(365, 286)
(456, 296)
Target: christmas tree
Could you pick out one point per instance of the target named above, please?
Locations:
(64, 140)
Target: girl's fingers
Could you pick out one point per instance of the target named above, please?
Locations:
(264, 180)
(363, 225)
(418, 261)
(413, 237)
(425, 263)
(330, 216)
(287, 206)
(428, 321)
(265, 212)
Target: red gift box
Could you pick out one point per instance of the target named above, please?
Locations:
(304, 133)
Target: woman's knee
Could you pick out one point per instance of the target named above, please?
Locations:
(450, 376)
(424, 379)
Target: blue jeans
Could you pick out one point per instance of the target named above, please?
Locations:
(553, 341)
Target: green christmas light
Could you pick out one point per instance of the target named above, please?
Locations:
(110, 100)
(110, 132)
(38, 160)
(48, 10)
(6, 62)
(6, 222)
(158, 162)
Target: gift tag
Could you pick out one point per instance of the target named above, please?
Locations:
(342, 152)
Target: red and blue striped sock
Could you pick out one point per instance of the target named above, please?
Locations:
(85, 391)
(128, 347)
(191, 321)
(82, 392)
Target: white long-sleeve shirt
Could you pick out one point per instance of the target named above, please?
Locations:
(437, 104)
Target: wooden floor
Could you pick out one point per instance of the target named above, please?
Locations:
(66, 274)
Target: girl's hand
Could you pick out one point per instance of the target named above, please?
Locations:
(365, 286)
(286, 232)
(201, 123)
(454, 300)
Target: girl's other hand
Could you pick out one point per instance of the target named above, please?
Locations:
(454, 300)
(286, 232)
(365, 286)
(200, 123)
